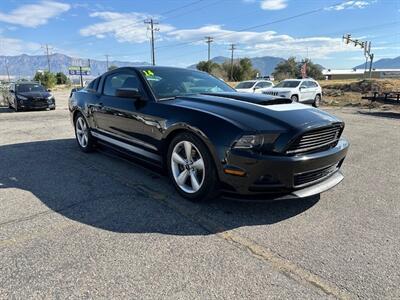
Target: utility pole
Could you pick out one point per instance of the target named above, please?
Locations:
(209, 40)
(367, 51)
(232, 48)
(106, 55)
(151, 22)
(47, 51)
(6, 64)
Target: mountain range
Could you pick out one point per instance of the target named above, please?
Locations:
(384, 63)
(26, 65)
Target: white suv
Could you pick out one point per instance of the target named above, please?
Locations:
(254, 86)
(299, 90)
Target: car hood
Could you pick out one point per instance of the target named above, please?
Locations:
(35, 94)
(240, 90)
(257, 112)
(279, 90)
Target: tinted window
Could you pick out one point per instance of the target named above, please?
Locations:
(245, 85)
(288, 84)
(172, 82)
(263, 84)
(29, 87)
(92, 86)
(120, 80)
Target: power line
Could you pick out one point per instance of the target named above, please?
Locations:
(232, 48)
(209, 40)
(107, 56)
(152, 29)
(47, 53)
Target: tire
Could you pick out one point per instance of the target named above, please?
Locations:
(317, 100)
(295, 98)
(200, 180)
(85, 140)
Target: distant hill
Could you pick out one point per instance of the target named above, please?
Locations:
(384, 63)
(265, 64)
(27, 65)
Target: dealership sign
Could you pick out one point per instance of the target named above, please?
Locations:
(76, 70)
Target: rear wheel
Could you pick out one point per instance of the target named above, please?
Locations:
(317, 101)
(295, 98)
(191, 168)
(82, 133)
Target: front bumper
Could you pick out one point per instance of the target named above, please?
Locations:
(282, 177)
(33, 106)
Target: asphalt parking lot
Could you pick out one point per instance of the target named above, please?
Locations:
(96, 226)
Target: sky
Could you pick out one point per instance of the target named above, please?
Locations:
(283, 28)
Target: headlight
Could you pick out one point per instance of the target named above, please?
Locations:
(257, 141)
(20, 97)
(50, 97)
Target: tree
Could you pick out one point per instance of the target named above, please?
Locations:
(207, 66)
(46, 78)
(286, 69)
(112, 67)
(313, 70)
(241, 69)
(62, 78)
(292, 69)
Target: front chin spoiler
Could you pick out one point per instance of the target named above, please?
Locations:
(310, 191)
(318, 188)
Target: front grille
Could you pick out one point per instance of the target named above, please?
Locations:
(271, 93)
(305, 178)
(316, 140)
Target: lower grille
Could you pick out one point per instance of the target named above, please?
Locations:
(316, 140)
(306, 178)
(271, 93)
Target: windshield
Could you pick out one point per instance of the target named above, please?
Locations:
(288, 84)
(26, 88)
(245, 85)
(167, 83)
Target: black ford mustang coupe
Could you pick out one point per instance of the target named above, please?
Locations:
(209, 137)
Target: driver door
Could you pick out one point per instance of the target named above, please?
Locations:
(120, 117)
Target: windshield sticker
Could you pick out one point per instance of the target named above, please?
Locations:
(148, 73)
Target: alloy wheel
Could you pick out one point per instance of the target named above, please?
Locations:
(82, 133)
(187, 166)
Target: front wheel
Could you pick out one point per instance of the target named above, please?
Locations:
(191, 168)
(317, 101)
(82, 133)
(295, 98)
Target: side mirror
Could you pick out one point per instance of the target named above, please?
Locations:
(256, 88)
(49, 90)
(128, 93)
(12, 91)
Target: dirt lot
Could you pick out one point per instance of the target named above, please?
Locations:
(95, 226)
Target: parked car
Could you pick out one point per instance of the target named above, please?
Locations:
(29, 95)
(209, 137)
(254, 86)
(299, 90)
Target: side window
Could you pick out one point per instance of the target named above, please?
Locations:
(120, 80)
(262, 84)
(314, 84)
(90, 85)
(304, 84)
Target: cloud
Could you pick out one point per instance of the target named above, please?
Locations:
(264, 43)
(33, 15)
(124, 27)
(273, 4)
(17, 46)
(350, 5)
